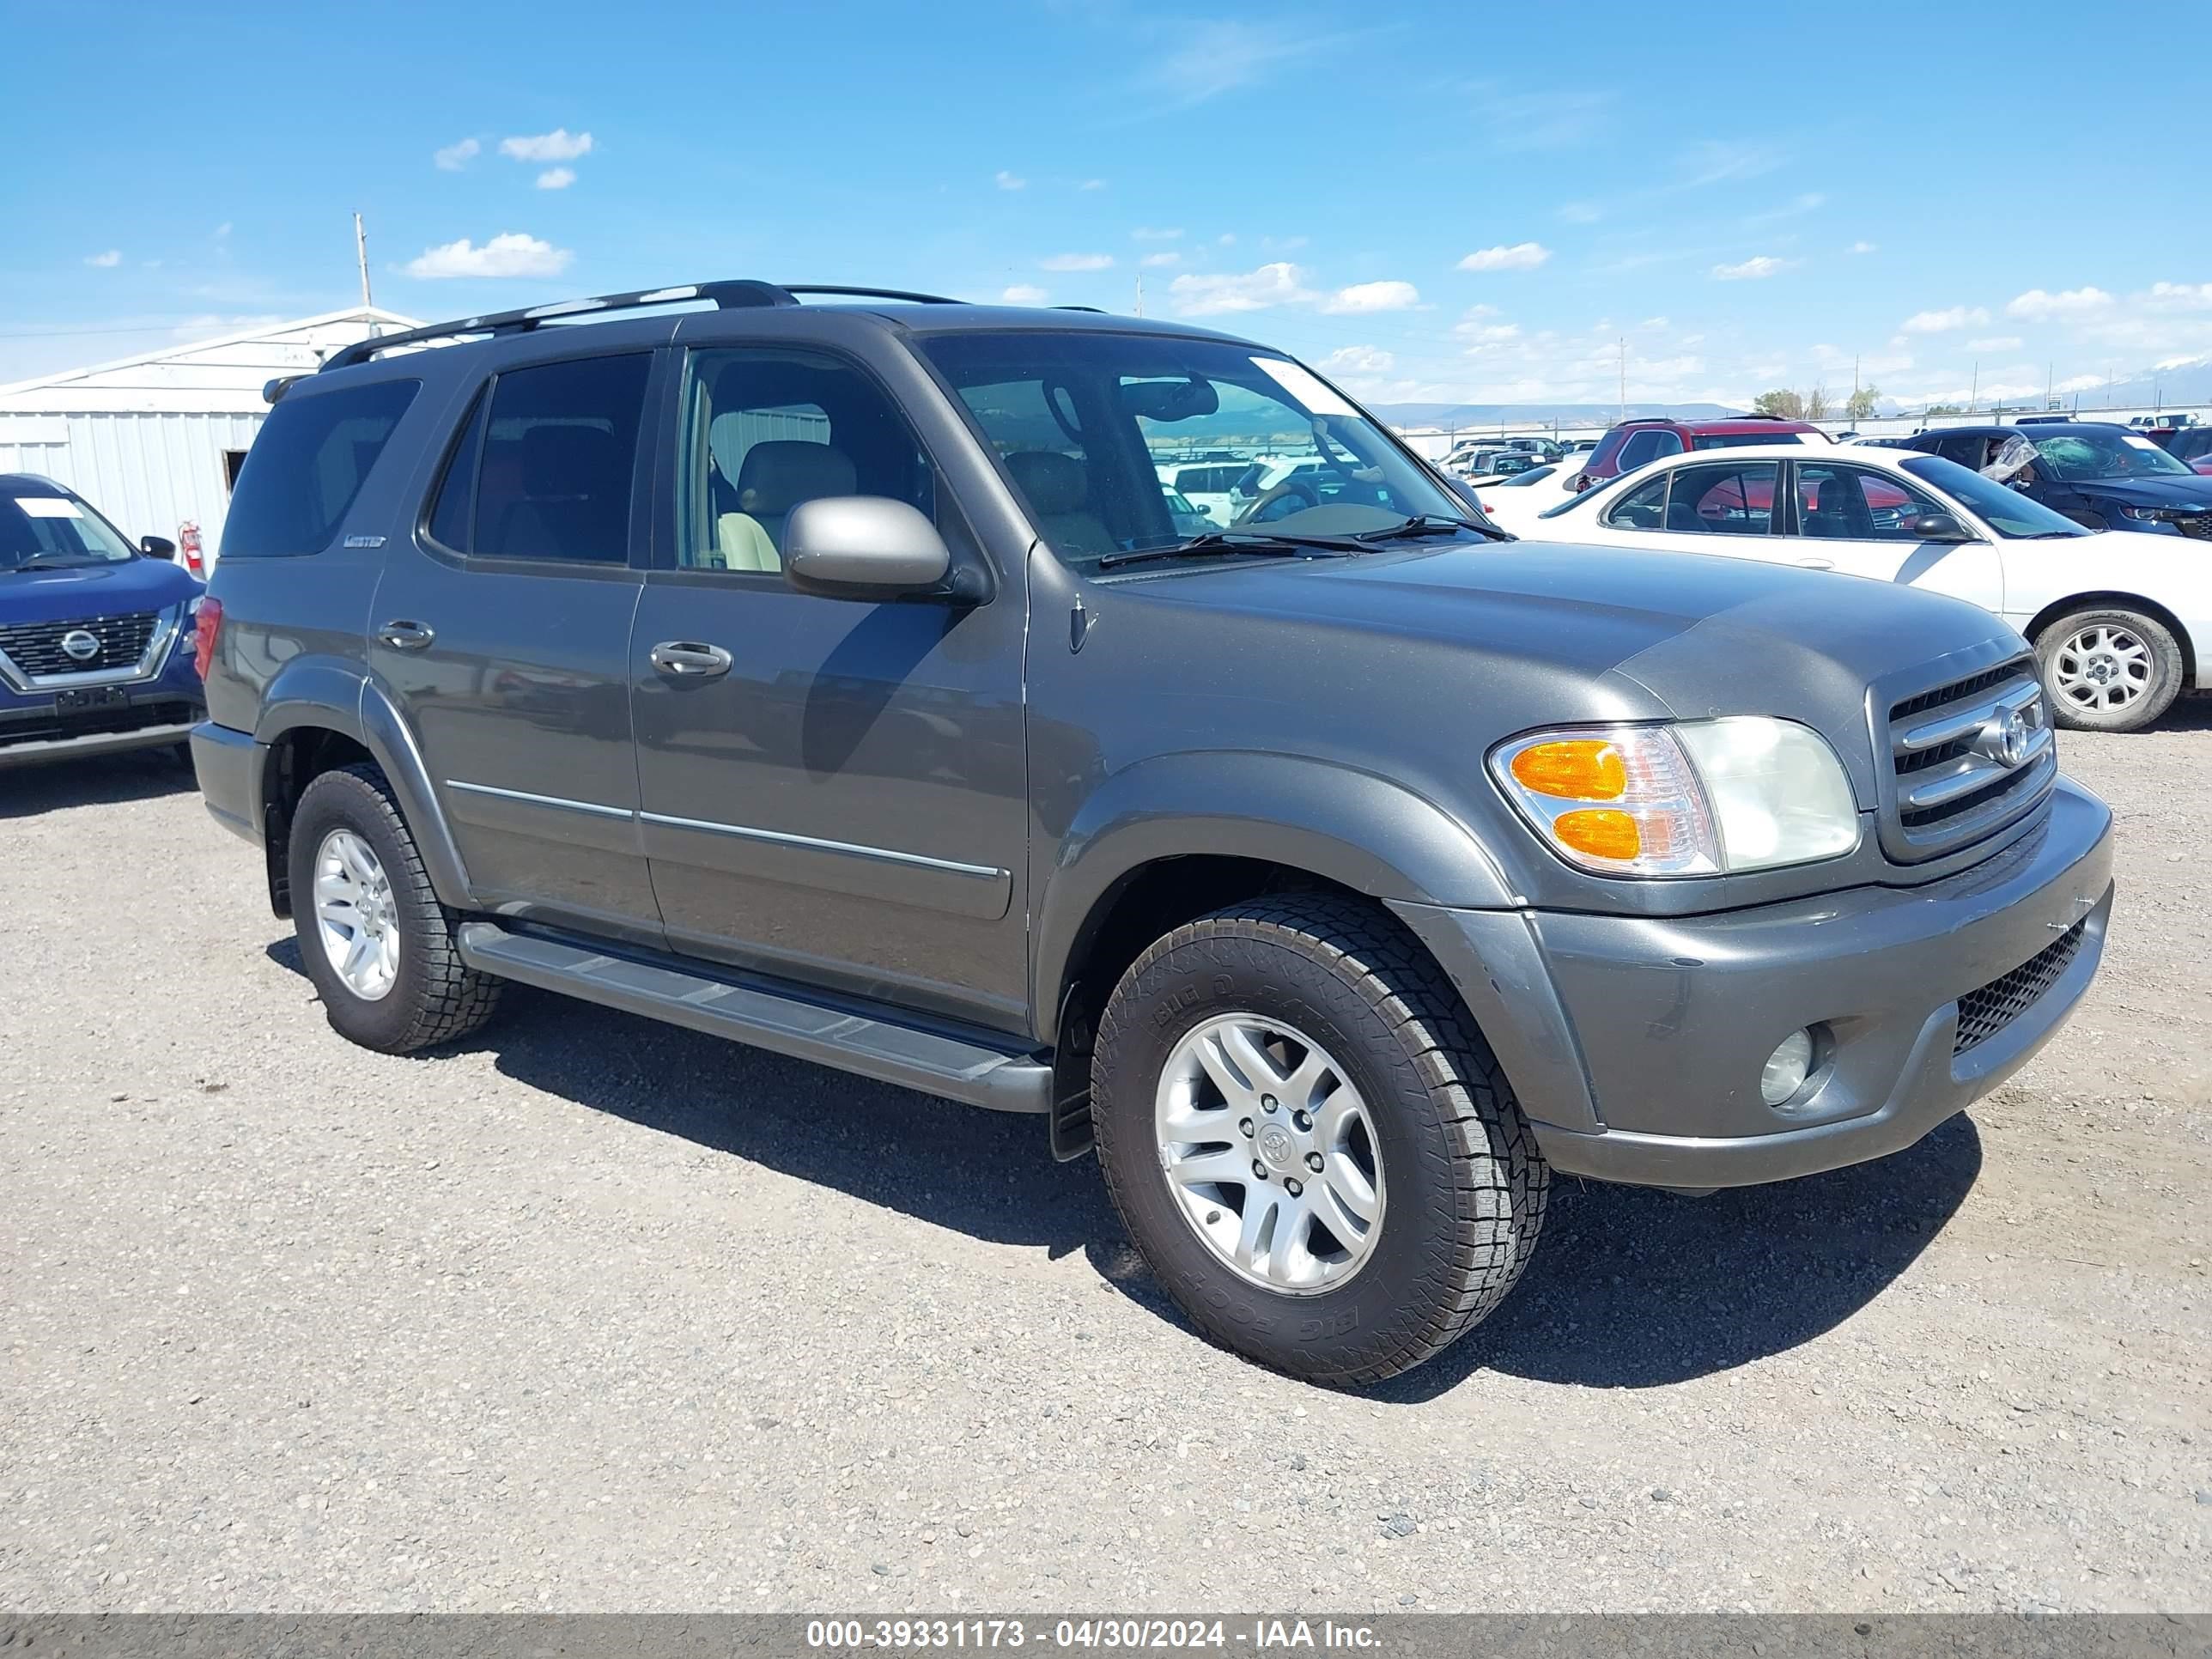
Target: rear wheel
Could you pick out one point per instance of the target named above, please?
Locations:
(373, 936)
(1309, 1143)
(2109, 670)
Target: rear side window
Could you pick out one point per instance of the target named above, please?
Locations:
(1745, 440)
(543, 467)
(308, 463)
(1647, 444)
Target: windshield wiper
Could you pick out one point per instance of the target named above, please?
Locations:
(1232, 541)
(1431, 524)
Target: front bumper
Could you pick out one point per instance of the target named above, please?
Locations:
(1636, 1045)
(157, 710)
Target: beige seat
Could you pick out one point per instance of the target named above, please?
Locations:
(1059, 495)
(776, 476)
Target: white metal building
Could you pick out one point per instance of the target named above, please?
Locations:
(156, 442)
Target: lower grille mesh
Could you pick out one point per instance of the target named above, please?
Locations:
(1983, 1013)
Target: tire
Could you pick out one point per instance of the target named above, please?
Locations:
(1462, 1186)
(431, 997)
(2068, 654)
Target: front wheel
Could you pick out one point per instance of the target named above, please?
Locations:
(1309, 1143)
(2109, 670)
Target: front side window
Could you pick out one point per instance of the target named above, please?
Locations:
(1643, 508)
(308, 462)
(543, 469)
(1849, 503)
(765, 430)
(1086, 423)
(46, 531)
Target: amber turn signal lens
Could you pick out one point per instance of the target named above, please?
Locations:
(1600, 832)
(1575, 769)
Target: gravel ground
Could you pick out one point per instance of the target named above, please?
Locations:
(597, 1314)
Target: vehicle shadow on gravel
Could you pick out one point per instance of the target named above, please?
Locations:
(1630, 1288)
(1635, 1288)
(104, 780)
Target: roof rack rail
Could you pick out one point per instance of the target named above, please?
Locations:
(874, 294)
(726, 295)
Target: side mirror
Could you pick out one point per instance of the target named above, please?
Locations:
(1938, 527)
(863, 547)
(157, 547)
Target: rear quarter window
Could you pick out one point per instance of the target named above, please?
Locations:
(307, 465)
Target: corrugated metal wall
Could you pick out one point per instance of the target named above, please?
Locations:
(146, 472)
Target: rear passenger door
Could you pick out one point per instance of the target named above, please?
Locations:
(500, 630)
(834, 792)
(1706, 506)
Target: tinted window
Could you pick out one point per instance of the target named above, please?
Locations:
(457, 491)
(1643, 509)
(765, 430)
(1745, 439)
(1846, 503)
(557, 452)
(307, 465)
(1724, 499)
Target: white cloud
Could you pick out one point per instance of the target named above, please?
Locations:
(2036, 304)
(1278, 284)
(1005, 180)
(1212, 58)
(222, 230)
(557, 145)
(1544, 120)
(1752, 269)
(556, 178)
(2192, 296)
(1373, 297)
(1157, 259)
(1521, 256)
(1941, 322)
(1076, 262)
(1581, 212)
(1025, 294)
(1093, 184)
(1358, 360)
(108, 261)
(1860, 247)
(509, 254)
(2079, 383)
(1994, 343)
(1227, 238)
(454, 157)
(1148, 233)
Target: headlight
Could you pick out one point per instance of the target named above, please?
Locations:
(2148, 514)
(1697, 797)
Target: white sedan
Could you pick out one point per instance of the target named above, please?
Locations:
(1513, 503)
(2121, 620)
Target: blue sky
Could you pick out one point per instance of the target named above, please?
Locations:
(1448, 202)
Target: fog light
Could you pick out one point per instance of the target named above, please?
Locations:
(1786, 1068)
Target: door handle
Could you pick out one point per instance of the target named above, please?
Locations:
(402, 635)
(1817, 564)
(689, 659)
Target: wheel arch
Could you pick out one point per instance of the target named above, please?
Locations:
(2118, 598)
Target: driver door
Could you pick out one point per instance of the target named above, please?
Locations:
(1858, 521)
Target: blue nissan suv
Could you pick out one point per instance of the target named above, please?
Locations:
(96, 637)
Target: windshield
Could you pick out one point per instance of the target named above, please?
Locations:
(45, 531)
(2003, 509)
(2107, 455)
(1088, 424)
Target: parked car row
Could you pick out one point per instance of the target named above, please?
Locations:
(96, 636)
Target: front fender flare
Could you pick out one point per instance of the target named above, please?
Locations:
(1351, 827)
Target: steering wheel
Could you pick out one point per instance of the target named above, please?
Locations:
(1289, 488)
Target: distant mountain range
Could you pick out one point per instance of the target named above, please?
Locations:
(1451, 416)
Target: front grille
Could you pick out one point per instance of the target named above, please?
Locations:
(2198, 525)
(1983, 1013)
(1943, 791)
(36, 647)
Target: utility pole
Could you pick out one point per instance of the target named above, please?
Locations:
(1140, 294)
(2047, 385)
(1623, 377)
(1975, 396)
(360, 257)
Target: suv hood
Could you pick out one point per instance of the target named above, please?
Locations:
(95, 590)
(1619, 635)
(2182, 495)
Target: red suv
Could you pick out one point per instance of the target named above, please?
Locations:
(1636, 443)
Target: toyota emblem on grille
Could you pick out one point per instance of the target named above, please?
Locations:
(81, 644)
(2007, 736)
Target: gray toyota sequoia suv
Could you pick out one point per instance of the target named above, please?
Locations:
(825, 669)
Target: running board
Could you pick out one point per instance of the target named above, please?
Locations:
(935, 1064)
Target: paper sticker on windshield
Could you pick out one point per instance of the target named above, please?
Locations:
(1300, 383)
(2140, 443)
(48, 507)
